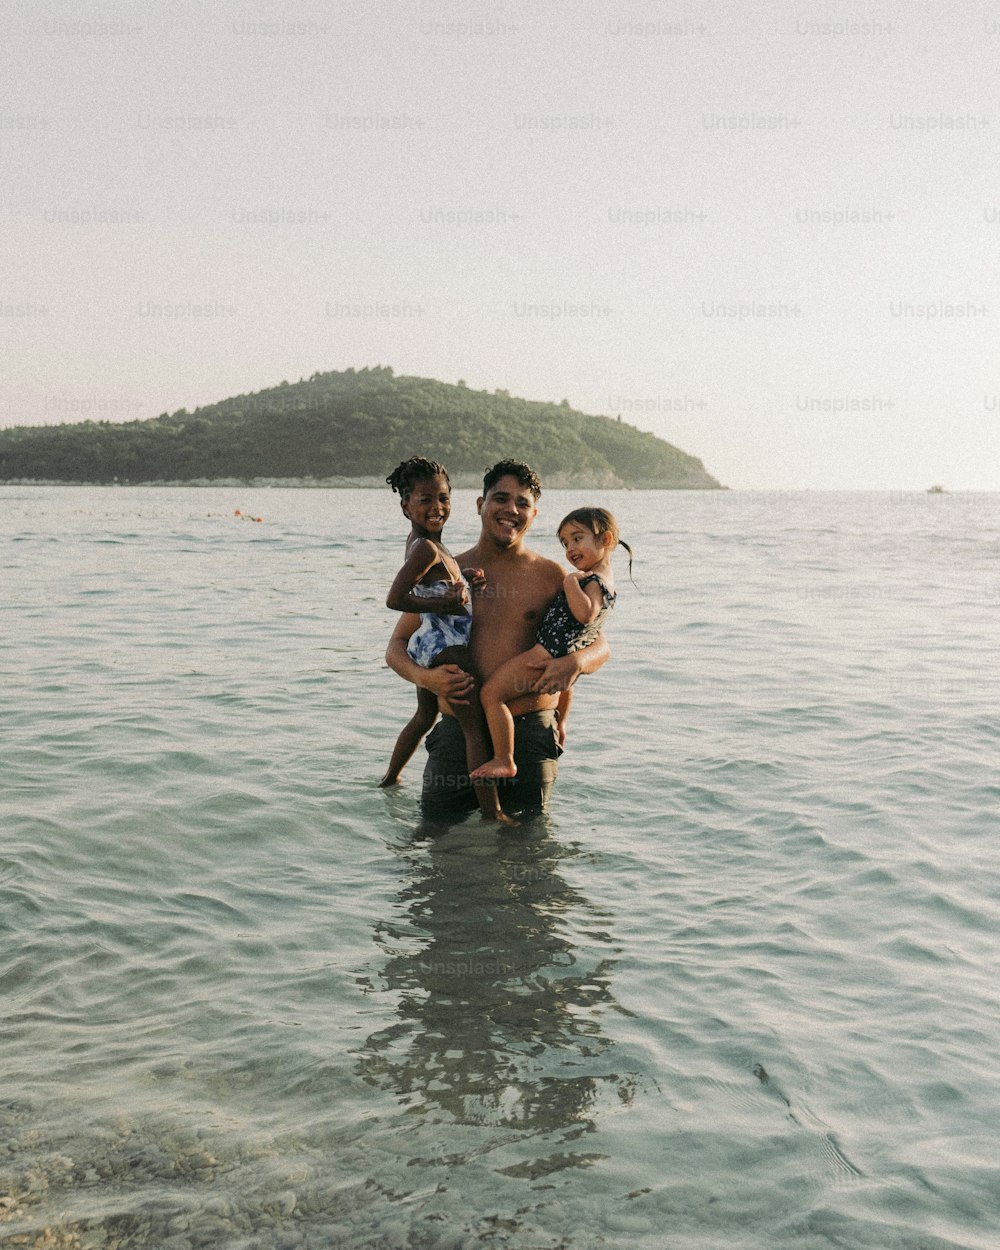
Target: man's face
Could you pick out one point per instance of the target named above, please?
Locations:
(507, 511)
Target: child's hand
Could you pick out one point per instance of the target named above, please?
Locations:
(453, 600)
(476, 579)
(574, 576)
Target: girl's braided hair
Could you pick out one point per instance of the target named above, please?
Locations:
(405, 476)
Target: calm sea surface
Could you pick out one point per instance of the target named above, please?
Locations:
(739, 990)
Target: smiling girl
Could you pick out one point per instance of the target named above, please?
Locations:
(429, 578)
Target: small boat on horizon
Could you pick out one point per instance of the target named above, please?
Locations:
(935, 490)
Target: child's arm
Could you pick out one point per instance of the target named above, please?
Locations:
(420, 559)
(584, 601)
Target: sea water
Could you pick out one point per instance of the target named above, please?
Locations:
(739, 989)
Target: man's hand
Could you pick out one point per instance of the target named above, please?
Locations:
(554, 675)
(557, 675)
(447, 681)
(451, 683)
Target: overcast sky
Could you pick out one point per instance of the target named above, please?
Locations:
(768, 232)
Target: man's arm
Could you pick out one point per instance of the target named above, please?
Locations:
(556, 675)
(447, 681)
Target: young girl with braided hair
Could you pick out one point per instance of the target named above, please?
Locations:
(431, 583)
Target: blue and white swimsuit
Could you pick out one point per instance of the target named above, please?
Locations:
(435, 632)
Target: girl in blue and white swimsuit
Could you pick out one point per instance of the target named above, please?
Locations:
(429, 575)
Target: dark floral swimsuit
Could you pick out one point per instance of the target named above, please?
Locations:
(560, 632)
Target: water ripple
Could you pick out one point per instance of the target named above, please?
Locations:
(741, 979)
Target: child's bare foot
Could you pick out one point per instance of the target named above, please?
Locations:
(494, 768)
(500, 818)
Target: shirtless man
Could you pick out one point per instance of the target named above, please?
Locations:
(518, 587)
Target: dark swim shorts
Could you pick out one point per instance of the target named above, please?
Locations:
(447, 793)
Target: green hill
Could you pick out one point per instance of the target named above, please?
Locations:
(351, 425)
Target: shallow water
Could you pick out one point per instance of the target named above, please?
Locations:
(738, 989)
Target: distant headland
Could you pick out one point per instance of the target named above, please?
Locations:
(349, 429)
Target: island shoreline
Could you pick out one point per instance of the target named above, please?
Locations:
(459, 481)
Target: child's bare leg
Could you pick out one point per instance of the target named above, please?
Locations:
(510, 680)
(476, 752)
(477, 743)
(501, 727)
(409, 739)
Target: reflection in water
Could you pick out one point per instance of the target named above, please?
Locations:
(503, 974)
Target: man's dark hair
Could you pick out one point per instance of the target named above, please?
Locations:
(405, 476)
(526, 476)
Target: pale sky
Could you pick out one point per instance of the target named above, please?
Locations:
(768, 232)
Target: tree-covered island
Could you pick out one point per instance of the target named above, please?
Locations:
(346, 428)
